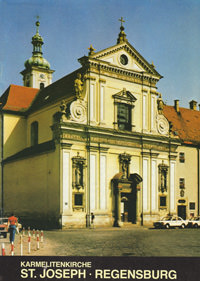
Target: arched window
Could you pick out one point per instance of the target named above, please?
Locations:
(41, 86)
(34, 133)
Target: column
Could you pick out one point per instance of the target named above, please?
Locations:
(93, 170)
(102, 102)
(65, 182)
(103, 191)
(144, 112)
(154, 185)
(92, 102)
(145, 186)
(172, 187)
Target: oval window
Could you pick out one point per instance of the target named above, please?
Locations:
(124, 59)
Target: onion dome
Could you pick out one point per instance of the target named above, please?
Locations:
(37, 59)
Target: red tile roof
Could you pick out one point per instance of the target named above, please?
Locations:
(18, 98)
(185, 123)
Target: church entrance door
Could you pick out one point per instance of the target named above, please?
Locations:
(128, 207)
(182, 211)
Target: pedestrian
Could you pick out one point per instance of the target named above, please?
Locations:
(141, 218)
(12, 225)
(92, 220)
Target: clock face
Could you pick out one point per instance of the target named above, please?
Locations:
(42, 75)
(124, 59)
(162, 125)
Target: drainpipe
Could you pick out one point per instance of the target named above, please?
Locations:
(88, 159)
(198, 181)
(142, 211)
(2, 185)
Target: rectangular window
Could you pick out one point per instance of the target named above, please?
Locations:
(182, 157)
(78, 199)
(181, 183)
(163, 201)
(124, 116)
(192, 206)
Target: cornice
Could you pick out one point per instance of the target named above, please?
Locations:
(121, 73)
(93, 136)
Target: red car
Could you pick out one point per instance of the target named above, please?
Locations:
(4, 227)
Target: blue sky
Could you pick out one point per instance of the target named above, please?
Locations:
(166, 32)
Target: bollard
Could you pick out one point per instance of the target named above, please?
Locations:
(42, 236)
(29, 244)
(12, 249)
(29, 231)
(21, 245)
(38, 242)
(33, 233)
(3, 252)
(23, 231)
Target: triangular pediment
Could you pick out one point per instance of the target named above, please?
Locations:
(124, 55)
(124, 96)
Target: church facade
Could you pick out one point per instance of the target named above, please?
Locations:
(99, 140)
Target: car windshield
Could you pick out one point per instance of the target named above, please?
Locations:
(165, 218)
(196, 219)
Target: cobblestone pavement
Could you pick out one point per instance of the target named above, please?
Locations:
(126, 241)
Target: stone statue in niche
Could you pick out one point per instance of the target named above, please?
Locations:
(78, 166)
(124, 160)
(78, 175)
(163, 171)
(124, 170)
(78, 87)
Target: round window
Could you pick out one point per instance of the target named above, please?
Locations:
(124, 59)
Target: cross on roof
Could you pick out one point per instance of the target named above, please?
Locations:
(121, 20)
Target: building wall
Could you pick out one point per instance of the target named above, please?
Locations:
(189, 172)
(45, 120)
(102, 111)
(32, 191)
(14, 134)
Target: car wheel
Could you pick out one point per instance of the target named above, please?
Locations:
(182, 225)
(167, 226)
(196, 225)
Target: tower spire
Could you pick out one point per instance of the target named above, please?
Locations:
(37, 41)
(37, 72)
(122, 35)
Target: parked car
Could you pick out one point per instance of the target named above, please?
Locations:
(170, 221)
(4, 227)
(194, 222)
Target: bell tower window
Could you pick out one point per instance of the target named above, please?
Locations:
(41, 86)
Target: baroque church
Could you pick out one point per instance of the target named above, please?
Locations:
(99, 140)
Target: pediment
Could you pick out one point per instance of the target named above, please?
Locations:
(124, 96)
(124, 55)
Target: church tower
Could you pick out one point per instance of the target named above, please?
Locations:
(37, 72)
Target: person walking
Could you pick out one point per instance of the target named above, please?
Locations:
(12, 225)
(92, 220)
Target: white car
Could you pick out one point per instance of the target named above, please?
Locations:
(194, 222)
(170, 221)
